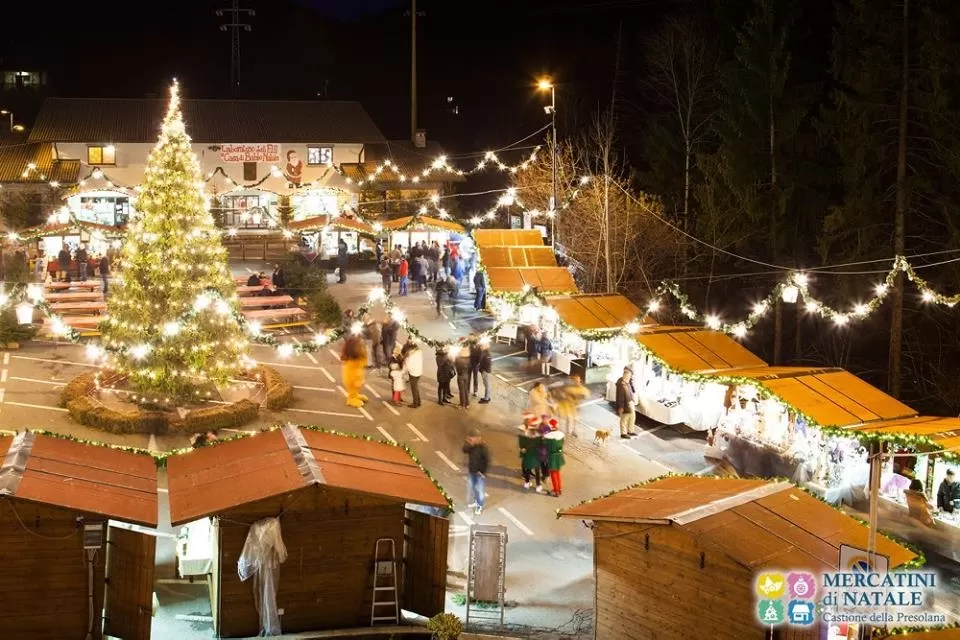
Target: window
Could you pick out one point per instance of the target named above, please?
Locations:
(249, 171)
(101, 154)
(319, 155)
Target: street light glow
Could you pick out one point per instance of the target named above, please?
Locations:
(545, 84)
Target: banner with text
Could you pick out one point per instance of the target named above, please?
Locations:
(250, 153)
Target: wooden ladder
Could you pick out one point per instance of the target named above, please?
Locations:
(385, 582)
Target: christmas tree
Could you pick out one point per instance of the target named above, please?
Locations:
(172, 326)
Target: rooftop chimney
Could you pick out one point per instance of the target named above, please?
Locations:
(420, 139)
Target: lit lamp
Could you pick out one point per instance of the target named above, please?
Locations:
(25, 313)
(790, 293)
(34, 292)
(63, 216)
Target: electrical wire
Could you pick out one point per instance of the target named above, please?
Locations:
(32, 532)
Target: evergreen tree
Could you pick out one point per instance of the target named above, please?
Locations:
(167, 330)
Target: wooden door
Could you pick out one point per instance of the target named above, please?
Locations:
(128, 603)
(425, 563)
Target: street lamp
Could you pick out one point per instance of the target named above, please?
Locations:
(546, 84)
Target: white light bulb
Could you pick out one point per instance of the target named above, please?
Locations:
(632, 327)
(713, 321)
(813, 307)
(841, 319)
(861, 310)
(653, 306)
(255, 328)
(202, 302)
(171, 329)
(801, 279)
(759, 308)
(740, 330)
(285, 350)
(140, 351)
(397, 315)
(94, 352)
(356, 328)
(222, 307)
(321, 339)
(881, 289)
(928, 296)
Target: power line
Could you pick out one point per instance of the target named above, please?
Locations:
(234, 26)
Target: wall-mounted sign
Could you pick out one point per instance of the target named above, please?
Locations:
(250, 153)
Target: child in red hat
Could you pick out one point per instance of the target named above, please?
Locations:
(553, 442)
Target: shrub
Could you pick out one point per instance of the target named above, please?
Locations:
(279, 392)
(445, 626)
(10, 328)
(324, 308)
(221, 416)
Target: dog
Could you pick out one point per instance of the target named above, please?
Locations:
(601, 436)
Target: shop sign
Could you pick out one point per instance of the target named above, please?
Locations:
(250, 153)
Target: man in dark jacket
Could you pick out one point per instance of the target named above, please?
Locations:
(83, 259)
(462, 365)
(480, 286)
(105, 272)
(63, 263)
(948, 494)
(445, 374)
(253, 280)
(485, 366)
(478, 461)
(343, 259)
(388, 338)
(475, 366)
(625, 406)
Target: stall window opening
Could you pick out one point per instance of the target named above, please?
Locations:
(319, 155)
(102, 155)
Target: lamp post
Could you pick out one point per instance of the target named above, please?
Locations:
(546, 84)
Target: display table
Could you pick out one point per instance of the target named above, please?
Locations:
(659, 412)
(195, 549)
(762, 460)
(563, 361)
(508, 331)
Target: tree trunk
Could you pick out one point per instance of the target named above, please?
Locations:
(606, 224)
(685, 219)
(896, 311)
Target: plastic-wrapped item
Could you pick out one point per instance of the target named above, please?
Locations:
(262, 554)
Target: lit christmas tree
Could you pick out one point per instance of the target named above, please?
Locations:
(172, 327)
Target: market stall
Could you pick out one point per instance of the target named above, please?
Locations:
(517, 257)
(664, 359)
(323, 234)
(522, 279)
(411, 230)
(105, 207)
(486, 238)
(312, 202)
(247, 208)
(47, 240)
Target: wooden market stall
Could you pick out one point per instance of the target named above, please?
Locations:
(325, 232)
(703, 541)
(666, 355)
(485, 238)
(517, 257)
(520, 279)
(335, 495)
(54, 235)
(409, 230)
(73, 563)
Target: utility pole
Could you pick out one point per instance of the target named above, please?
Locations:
(234, 26)
(413, 68)
(896, 312)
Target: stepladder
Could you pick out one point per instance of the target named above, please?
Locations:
(385, 603)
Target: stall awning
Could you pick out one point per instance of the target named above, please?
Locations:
(507, 238)
(546, 279)
(831, 397)
(756, 523)
(943, 432)
(83, 477)
(587, 312)
(695, 350)
(422, 223)
(517, 257)
(71, 229)
(340, 223)
(214, 479)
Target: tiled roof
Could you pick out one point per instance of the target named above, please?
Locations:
(208, 121)
(16, 159)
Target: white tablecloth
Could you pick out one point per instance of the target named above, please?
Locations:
(195, 549)
(656, 411)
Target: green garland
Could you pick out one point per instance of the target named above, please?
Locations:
(919, 561)
(161, 457)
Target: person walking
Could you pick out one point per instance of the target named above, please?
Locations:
(538, 402)
(567, 399)
(354, 359)
(423, 270)
(378, 251)
(462, 366)
(439, 287)
(83, 260)
(474, 365)
(553, 441)
(63, 263)
(374, 334)
(544, 353)
(396, 379)
(388, 337)
(342, 259)
(395, 256)
(478, 461)
(445, 261)
(105, 273)
(625, 405)
(530, 442)
(386, 273)
(404, 272)
(485, 367)
(413, 363)
(445, 374)
(480, 291)
(278, 278)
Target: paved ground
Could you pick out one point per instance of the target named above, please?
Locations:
(549, 562)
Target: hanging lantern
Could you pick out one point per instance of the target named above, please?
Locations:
(25, 313)
(34, 293)
(790, 293)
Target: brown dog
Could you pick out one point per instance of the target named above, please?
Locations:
(601, 436)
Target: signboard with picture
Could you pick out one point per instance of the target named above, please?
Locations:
(250, 153)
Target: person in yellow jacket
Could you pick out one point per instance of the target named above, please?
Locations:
(566, 402)
(354, 359)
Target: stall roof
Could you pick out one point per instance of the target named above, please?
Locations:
(945, 432)
(588, 311)
(84, 477)
(831, 397)
(215, 479)
(518, 257)
(696, 350)
(507, 238)
(337, 222)
(15, 161)
(755, 522)
(422, 222)
(546, 279)
(71, 228)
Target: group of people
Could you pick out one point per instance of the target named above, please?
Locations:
(406, 365)
(471, 364)
(539, 347)
(62, 270)
(275, 282)
(424, 264)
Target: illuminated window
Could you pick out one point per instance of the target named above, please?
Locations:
(319, 155)
(101, 154)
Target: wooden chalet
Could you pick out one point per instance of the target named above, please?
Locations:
(678, 557)
(336, 496)
(74, 561)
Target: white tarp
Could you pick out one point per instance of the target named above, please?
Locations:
(262, 555)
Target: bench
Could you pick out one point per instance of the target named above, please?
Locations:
(252, 302)
(86, 325)
(74, 296)
(62, 286)
(244, 290)
(89, 307)
(296, 317)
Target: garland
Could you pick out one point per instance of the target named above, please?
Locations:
(161, 457)
(919, 561)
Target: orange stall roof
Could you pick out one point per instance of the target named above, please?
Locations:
(756, 523)
(507, 238)
(91, 478)
(517, 257)
(217, 478)
(944, 432)
(546, 279)
(697, 350)
(589, 311)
